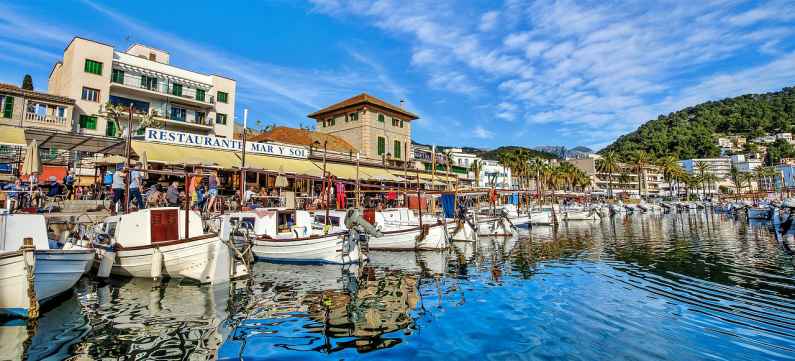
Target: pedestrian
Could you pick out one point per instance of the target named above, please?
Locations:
(69, 183)
(172, 194)
(136, 185)
(117, 186)
(212, 192)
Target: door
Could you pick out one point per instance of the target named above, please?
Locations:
(164, 225)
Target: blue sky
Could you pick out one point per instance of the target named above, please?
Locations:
(479, 73)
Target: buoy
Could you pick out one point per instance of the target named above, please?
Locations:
(157, 264)
(106, 263)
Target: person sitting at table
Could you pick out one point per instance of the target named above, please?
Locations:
(54, 188)
(172, 194)
(249, 193)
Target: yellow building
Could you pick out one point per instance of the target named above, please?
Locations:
(95, 74)
(379, 130)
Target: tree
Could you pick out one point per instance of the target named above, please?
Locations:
(27, 82)
(702, 168)
(608, 165)
(640, 161)
(670, 169)
(118, 114)
(475, 168)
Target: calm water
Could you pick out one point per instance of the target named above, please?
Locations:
(699, 287)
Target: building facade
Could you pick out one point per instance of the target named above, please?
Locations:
(379, 130)
(493, 174)
(96, 74)
(720, 167)
(31, 109)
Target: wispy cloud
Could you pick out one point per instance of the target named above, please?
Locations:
(482, 133)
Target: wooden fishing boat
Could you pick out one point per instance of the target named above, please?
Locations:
(285, 235)
(399, 231)
(165, 242)
(55, 268)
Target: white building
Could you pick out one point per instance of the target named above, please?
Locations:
(720, 167)
(492, 174)
(95, 74)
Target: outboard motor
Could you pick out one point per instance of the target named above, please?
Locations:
(358, 231)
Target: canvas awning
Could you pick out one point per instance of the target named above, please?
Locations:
(12, 136)
(177, 155)
(51, 139)
(378, 174)
(288, 165)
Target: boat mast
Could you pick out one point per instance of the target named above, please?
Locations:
(243, 161)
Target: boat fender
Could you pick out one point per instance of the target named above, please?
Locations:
(106, 263)
(157, 264)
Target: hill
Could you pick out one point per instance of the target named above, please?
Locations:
(691, 132)
(492, 154)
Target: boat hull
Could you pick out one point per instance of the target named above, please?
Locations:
(317, 249)
(541, 217)
(406, 239)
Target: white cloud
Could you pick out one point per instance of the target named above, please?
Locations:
(481, 133)
(489, 20)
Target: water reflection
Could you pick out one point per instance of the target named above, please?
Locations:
(682, 286)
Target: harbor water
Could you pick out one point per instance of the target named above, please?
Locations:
(692, 286)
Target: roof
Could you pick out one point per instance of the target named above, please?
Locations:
(15, 90)
(304, 137)
(363, 99)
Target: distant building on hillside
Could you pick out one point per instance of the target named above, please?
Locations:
(494, 175)
(379, 130)
(720, 167)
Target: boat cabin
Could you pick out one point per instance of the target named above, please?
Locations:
(16, 227)
(152, 226)
(271, 222)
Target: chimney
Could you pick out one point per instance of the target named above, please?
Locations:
(401, 103)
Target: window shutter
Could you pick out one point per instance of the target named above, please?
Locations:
(397, 149)
(8, 108)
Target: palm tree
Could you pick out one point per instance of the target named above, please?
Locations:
(702, 168)
(535, 166)
(734, 175)
(670, 168)
(709, 179)
(609, 165)
(640, 161)
(475, 168)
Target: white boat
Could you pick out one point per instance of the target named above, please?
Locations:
(154, 243)
(579, 214)
(284, 235)
(400, 230)
(55, 270)
(542, 216)
(618, 208)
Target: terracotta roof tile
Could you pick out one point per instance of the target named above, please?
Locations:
(360, 99)
(304, 137)
(13, 89)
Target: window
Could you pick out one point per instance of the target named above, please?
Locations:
(395, 122)
(88, 122)
(117, 76)
(223, 97)
(110, 130)
(91, 95)
(152, 57)
(397, 149)
(138, 105)
(8, 107)
(148, 82)
(61, 112)
(381, 145)
(332, 122)
(328, 122)
(401, 123)
(220, 118)
(323, 124)
(93, 67)
(200, 95)
(176, 89)
(353, 117)
(201, 118)
(178, 114)
(381, 118)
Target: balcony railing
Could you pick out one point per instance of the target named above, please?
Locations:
(49, 120)
(162, 86)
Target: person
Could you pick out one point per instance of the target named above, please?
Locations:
(118, 190)
(17, 193)
(200, 197)
(172, 194)
(136, 184)
(79, 192)
(249, 193)
(55, 188)
(69, 183)
(154, 197)
(212, 192)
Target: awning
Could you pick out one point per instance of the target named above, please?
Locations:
(290, 166)
(12, 136)
(378, 174)
(52, 139)
(342, 171)
(176, 155)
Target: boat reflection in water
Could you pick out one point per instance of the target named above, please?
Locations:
(326, 309)
(48, 337)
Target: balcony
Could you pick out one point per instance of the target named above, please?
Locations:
(160, 87)
(47, 121)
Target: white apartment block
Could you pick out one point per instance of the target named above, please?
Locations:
(95, 74)
(720, 167)
(492, 174)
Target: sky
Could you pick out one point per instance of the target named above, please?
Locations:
(478, 73)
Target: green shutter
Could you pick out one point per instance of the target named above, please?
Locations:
(222, 97)
(381, 118)
(8, 107)
(176, 89)
(381, 146)
(117, 76)
(111, 129)
(88, 122)
(220, 118)
(200, 95)
(93, 67)
(397, 149)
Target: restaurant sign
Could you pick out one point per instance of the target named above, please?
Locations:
(207, 141)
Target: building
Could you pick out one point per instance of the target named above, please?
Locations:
(493, 174)
(787, 137)
(31, 109)
(624, 182)
(95, 74)
(462, 163)
(743, 164)
(379, 130)
(720, 167)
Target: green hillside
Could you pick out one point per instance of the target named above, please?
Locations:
(492, 154)
(691, 132)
